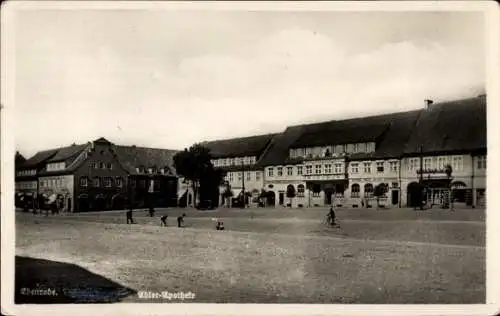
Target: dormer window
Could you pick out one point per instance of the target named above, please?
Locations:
(328, 153)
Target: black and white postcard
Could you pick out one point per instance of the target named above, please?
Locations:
(295, 157)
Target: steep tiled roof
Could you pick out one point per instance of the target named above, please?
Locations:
(69, 152)
(450, 127)
(237, 147)
(132, 157)
(40, 157)
(361, 129)
(277, 153)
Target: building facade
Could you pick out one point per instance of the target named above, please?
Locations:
(347, 162)
(100, 175)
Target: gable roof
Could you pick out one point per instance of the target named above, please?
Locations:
(238, 147)
(69, 152)
(450, 126)
(277, 153)
(132, 157)
(39, 158)
(354, 130)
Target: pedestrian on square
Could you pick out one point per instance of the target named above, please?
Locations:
(130, 220)
(180, 220)
(164, 220)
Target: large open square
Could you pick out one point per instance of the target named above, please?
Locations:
(264, 256)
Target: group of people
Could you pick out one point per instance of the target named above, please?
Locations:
(42, 203)
(163, 219)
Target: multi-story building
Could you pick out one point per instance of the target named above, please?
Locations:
(454, 134)
(100, 175)
(342, 162)
(240, 158)
(26, 177)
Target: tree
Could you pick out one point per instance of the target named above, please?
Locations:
(210, 183)
(195, 166)
(290, 193)
(379, 191)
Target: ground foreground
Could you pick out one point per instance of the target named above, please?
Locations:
(278, 256)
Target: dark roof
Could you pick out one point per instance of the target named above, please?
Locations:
(132, 157)
(238, 147)
(355, 130)
(450, 127)
(39, 158)
(277, 153)
(69, 152)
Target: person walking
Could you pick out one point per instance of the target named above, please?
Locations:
(331, 214)
(130, 220)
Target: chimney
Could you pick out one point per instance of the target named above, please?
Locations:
(428, 103)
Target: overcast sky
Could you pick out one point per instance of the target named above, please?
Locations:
(171, 78)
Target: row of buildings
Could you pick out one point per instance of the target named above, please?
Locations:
(337, 162)
(99, 175)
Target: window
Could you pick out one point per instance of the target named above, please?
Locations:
(270, 172)
(368, 190)
(97, 182)
(355, 168)
(356, 148)
(107, 182)
(457, 163)
(299, 170)
(318, 169)
(249, 176)
(240, 176)
(316, 190)
(103, 165)
(231, 177)
(380, 166)
(441, 162)
(481, 162)
(338, 168)
(257, 176)
(393, 166)
(328, 168)
(328, 153)
(300, 190)
(309, 169)
(412, 164)
(368, 167)
(427, 163)
(355, 190)
(110, 166)
(280, 171)
(289, 171)
(84, 182)
(119, 182)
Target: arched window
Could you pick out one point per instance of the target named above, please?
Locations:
(300, 190)
(355, 190)
(328, 153)
(368, 190)
(97, 182)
